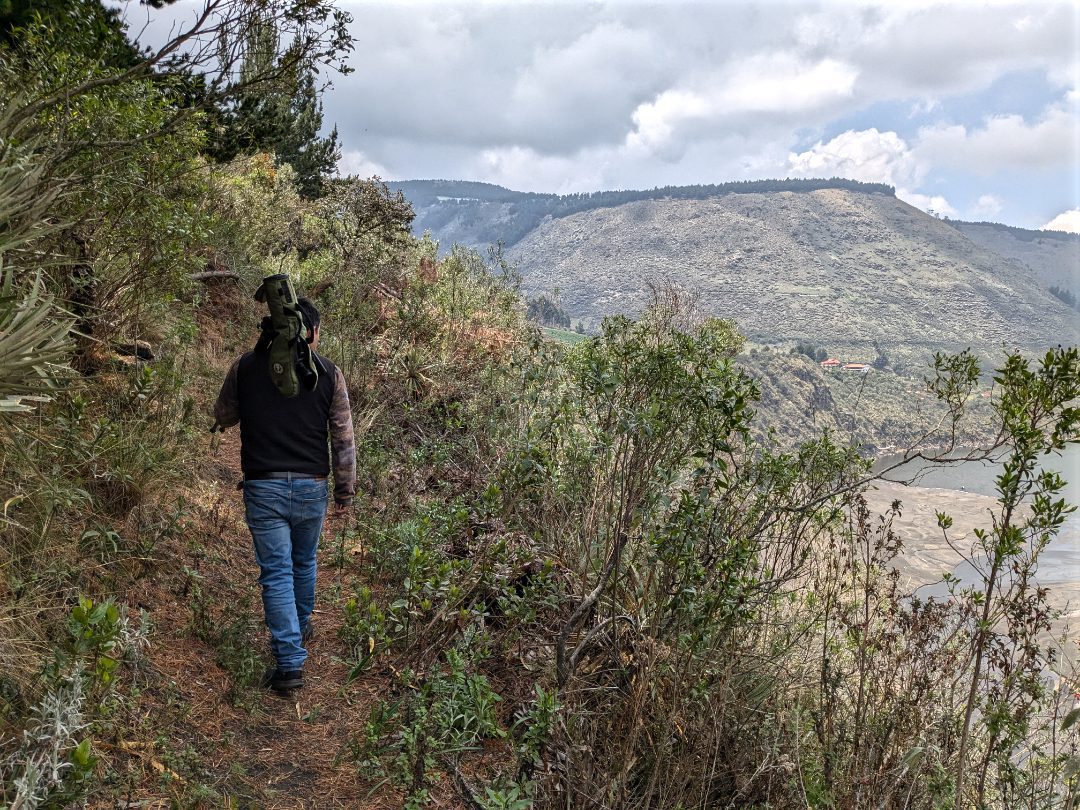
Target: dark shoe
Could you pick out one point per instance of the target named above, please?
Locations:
(281, 681)
(308, 633)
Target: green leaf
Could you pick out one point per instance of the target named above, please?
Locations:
(1070, 719)
(913, 757)
(34, 345)
(81, 755)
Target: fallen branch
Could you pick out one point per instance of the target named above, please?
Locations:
(468, 795)
(563, 668)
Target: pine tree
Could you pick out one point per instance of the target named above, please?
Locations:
(283, 116)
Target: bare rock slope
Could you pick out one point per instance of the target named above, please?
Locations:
(834, 267)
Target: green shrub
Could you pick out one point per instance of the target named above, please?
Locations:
(51, 762)
(441, 716)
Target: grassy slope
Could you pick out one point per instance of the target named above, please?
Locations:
(881, 411)
(563, 335)
(1053, 259)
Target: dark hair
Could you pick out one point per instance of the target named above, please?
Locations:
(310, 313)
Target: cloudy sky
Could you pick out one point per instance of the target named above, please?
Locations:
(968, 109)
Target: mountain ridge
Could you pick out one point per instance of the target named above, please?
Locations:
(830, 266)
(841, 265)
(422, 193)
(1052, 256)
(478, 214)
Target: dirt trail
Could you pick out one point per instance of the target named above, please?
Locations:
(194, 734)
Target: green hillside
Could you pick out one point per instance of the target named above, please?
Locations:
(1052, 258)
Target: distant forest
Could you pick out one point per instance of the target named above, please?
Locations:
(1065, 296)
(469, 204)
(1021, 234)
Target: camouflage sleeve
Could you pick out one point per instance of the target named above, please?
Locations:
(227, 407)
(342, 443)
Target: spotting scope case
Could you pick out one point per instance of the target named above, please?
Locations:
(292, 363)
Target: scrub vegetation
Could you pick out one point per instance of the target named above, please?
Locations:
(577, 575)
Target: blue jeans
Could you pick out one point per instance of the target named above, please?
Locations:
(286, 519)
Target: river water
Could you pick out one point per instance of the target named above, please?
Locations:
(966, 490)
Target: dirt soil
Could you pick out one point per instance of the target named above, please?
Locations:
(196, 739)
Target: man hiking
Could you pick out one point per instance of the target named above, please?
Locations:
(283, 454)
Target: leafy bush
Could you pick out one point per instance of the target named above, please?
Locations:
(441, 716)
(49, 765)
(546, 312)
(815, 353)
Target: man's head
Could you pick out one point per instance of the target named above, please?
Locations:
(311, 319)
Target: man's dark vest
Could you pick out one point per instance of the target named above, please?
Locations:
(283, 434)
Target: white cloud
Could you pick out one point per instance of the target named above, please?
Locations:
(584, 89)
(872, 157)
(1065, 221)
(784, 83)
(941, 49)
(866, 155)
(765, 89)
(354, 163)
(1066, 73)
(655, 123)
(987, 206)
(1003, 142)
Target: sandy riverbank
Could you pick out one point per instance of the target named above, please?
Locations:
(926, 554)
